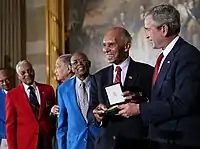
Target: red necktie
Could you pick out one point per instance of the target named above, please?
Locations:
(118, 75)
(156, 70)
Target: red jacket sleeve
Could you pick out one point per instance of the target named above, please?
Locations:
(11, 124)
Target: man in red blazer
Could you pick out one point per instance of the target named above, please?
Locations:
(28, 125)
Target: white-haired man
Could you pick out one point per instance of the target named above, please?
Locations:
(28, 125)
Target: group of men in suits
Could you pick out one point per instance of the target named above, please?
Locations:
(169, 117)
(172, 112)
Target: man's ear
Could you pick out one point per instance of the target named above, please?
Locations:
(165, 30)
(69, 68)
(89, 64)
(17, 75)
(127, 46)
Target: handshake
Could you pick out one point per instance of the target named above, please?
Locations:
(126, 109)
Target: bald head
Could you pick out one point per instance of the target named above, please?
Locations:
(5, 79)
(81, 54)
(4, 71)
(116, 45)
(80, 65)
(119, 33)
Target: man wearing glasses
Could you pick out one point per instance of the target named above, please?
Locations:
(76, 129)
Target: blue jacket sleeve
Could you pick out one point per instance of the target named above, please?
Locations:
(62, 128)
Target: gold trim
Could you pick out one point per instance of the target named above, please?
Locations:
(47, 42)
(54, 36)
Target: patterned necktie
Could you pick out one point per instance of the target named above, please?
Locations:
(83, 100)
(156, 70)
(33, 101)
(118, 74)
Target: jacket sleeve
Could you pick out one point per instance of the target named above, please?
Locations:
(182, 99)
(62, 128)
(95, 101)
(11, 123)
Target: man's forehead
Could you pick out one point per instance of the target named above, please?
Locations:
(78, 56)
(148, 20)
(109, 40)
(25, 66)
(4, 73)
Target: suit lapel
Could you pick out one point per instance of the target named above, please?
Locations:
(24, 100)
(166, 65)
(131, 75)
(110, 76)
(71, 93)
(108, 81)
(42, 100)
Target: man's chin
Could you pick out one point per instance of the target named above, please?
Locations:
(6, 88)
(29, 82)
(111, 61)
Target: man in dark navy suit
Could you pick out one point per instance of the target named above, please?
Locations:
(118, 132)
(173, 112)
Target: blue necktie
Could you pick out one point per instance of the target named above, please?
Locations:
(33, 101)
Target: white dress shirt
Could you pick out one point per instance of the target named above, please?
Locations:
(5, 91)
(124, 66)
(168, 49)
(36, 91)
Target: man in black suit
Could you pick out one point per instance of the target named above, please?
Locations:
(173, 112)
(118, 132)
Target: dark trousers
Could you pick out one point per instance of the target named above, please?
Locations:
(44, 143)
(131, 144)
(156, 145)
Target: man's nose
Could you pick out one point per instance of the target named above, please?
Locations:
(146, 34)
(106, 49)
(27, 73)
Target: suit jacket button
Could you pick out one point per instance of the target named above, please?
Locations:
(114, 137)
(85, 140)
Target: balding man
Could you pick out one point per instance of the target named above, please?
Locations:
(124, 131)
(5, 85)
(28, 125)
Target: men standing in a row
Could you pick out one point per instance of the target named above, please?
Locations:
(118, 132)
(28, 125)
(76, 130)
(5, 85)
(173, 112)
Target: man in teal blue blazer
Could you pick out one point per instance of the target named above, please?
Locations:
(5, 86)
(76, 128)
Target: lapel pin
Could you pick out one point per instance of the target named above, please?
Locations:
(130, 77)
(168, 62)
(42, 92)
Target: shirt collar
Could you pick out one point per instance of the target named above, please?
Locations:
(170, 46)
(27, 86)
(5, 91)
(86, 81)
(124, 64)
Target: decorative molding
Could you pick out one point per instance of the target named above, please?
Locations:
(54, 36)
